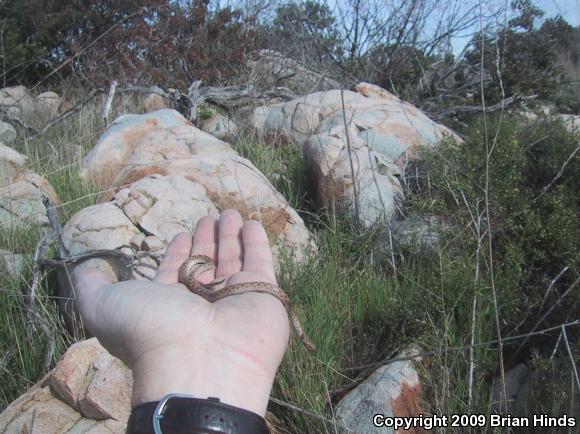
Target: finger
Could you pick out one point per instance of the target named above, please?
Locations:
(257, 251)
(86, 282)
(229, 243)
(205, 243)
(177, 252)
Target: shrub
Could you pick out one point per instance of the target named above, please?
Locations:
(142, 42)
(534, 174)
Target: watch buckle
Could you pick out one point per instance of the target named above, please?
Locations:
(158, 413)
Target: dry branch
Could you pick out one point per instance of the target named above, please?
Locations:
(453, 111)
(40, 253)
(109, 103)
(228, 97)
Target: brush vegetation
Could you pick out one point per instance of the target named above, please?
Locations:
(359, 313)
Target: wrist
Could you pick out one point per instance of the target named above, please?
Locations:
(225, 375)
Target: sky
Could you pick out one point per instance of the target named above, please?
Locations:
(568, 9)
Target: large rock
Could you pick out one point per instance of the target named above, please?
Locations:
(12, 263)
(219, 126)
(21, 191)
(161, 175)
(272, 68)
(154, 100)
(89, 391)
(393, 390)
(7, 133)
(383, 132)
(16, 99)
(48, 103)
(571, 122)
(416, 235)
(214, 176)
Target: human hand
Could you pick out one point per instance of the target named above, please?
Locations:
(177, 342)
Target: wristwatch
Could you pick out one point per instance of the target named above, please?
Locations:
(182, 414)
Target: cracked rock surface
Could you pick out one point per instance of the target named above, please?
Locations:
(164, 174)
(160, 175)
(89, 391)
(383, 132)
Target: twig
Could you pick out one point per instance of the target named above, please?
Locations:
(472, 353)
(541, 320)
(488, 152)
(108, 103)
(127, 260)
(559, 174)
(556, 346)
(571, 356)
(309, 413)
(508, 339)
(552, 283)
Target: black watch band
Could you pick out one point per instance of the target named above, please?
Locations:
(196, 416)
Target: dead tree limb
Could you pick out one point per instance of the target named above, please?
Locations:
(228, 97)
(127, 260)
(195, 99)
(477, 108)
(109, 102)
(40, 253)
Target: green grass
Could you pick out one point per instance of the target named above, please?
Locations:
(358, 313)
(23, 344)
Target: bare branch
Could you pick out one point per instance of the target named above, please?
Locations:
(108, 103)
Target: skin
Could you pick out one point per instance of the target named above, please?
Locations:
(197, 264)
(175, 341)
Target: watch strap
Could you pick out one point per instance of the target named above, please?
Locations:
(196, 416)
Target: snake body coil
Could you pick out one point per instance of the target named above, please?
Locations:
(198, 264)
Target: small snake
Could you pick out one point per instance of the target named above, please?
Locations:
(198, 264)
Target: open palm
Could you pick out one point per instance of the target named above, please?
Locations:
(176, 341)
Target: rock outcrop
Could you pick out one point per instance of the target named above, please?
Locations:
(393, 390)
(160, 175)
(165, 144)
(272, 68)
(49, 103)
(154, 100)
(21, 191)
(417, 235)
(219, 126)
(89, 391)
(381, 130)
(14, 100)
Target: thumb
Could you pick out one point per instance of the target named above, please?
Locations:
(87, 282)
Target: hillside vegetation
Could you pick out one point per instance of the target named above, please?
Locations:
(498, 288)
